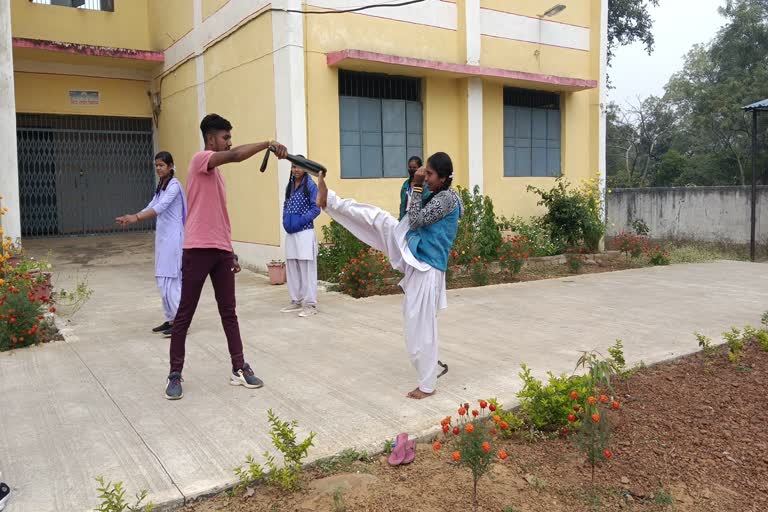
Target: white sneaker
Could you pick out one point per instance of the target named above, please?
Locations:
(308, 311)
(292, 308)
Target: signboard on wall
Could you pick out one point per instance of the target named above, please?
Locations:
(84, 97)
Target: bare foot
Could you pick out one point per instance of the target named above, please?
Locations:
(418, 394)
(322, 191)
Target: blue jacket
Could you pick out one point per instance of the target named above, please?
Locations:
(299, 211)
(431, 243)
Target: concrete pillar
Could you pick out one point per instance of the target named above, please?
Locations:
(9, 164)
(290, 90)
(474, 95)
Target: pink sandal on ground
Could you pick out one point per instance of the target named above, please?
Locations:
(398, 453)
(410, 452)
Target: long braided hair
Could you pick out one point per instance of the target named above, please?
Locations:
(290, 187)
(441, 163)
(167, 158)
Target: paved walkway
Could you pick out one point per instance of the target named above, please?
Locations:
(94, 405)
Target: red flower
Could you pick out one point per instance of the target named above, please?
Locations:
(462, 411)
(503, 425)
(615, 405)
(503, 455)
(486, 447)
(492, 408)
(483, 404)
(456, 431)
(475, 413)
(436, 446)
(576, 408)
(596, 418)
(446, 429)
(466, 406)
(608, 454)
(574, 395)
(604, 399)
(494, 431)
(52, 309)
(571, 418)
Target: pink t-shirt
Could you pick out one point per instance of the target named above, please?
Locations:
(207, 225)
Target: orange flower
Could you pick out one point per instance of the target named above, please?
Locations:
(591, 400)
(496, 418)
(503, 425)
(456, 456)
(503, 455)
(596, 418)
(436, 446)
(486, 447)
(615, 405)
(469, 428)
(574, 395)
(604, 399)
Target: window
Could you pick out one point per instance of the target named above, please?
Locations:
(92, 5)
(380, 117)
(531, 133)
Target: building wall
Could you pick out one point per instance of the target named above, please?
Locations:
(40, 93)
(126, 27)
(169, 21)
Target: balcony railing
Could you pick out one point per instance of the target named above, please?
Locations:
(92, 5)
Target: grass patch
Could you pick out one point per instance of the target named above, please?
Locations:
(693, 253)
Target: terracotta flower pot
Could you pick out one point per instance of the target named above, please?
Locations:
(276, 271)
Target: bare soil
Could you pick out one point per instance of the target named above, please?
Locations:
(690, 437)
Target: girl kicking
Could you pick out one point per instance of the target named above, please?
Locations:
(418, 246)
(299, 212)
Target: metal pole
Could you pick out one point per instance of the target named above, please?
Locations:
(754, 186)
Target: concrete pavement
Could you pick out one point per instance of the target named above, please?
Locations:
(93, 405)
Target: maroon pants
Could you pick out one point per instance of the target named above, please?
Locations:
(196, 266)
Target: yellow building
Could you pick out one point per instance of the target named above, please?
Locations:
(511, 89)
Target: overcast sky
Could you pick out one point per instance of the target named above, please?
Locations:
(635, 73)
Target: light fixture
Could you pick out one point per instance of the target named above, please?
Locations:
(553, 11)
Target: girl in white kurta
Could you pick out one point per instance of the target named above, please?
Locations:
(169, 205)
(299, 212)
(417, 246)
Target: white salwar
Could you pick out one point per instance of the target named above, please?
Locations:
(424, 285)
(301, 266)
(170, 292)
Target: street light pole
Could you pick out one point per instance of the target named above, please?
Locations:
(754, 187)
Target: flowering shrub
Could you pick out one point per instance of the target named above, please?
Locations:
(657, 255)
(513, 253)
(338, 248)
(575, 258)
(24, 296)
(546, 406)
(631, 245)
(365, 275)
(591, 408)
(474, 440)
(479, 271)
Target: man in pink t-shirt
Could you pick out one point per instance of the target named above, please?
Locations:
(208, 249)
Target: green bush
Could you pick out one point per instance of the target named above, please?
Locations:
(479, 233)
(547, 406)
(573, 216)
(112, 498)
(339, 247)
(538, 235)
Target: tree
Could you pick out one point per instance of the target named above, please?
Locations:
(629, 21)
